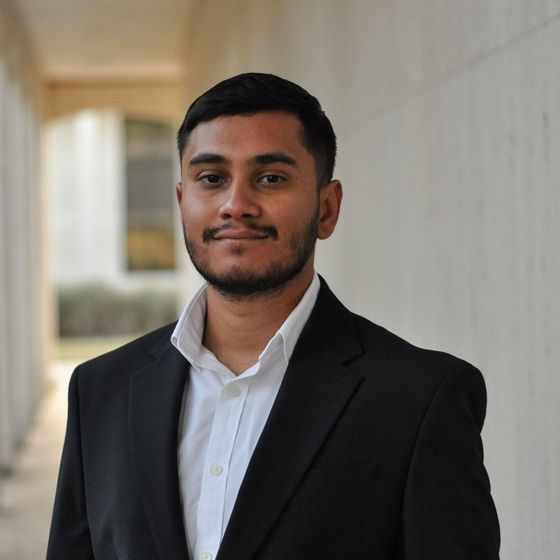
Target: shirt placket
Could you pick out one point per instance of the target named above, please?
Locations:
(225, 426)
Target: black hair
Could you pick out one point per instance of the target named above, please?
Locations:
(251, 93)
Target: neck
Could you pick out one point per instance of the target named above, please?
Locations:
(237, 330)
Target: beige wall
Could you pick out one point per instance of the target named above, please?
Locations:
(156, 100)
(448, 121)
(23, 305)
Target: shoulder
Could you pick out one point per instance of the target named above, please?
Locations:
(402, 365)
(383, 355)
(388, 347)
(128, 358)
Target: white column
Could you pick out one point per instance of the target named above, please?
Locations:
(21, 295)
(5, 418)
(85, 180)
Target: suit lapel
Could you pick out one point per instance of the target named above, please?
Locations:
(316, 387)
(156, 393)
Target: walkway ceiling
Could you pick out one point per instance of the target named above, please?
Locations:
(106, 39)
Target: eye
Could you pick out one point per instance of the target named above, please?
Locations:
(271, 179)
(211, 179)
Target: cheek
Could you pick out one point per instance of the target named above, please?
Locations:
(297, 216)
(193, 212)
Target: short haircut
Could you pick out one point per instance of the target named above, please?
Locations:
(250, 93)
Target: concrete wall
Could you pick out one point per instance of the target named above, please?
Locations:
(448, 121)
(85, 176)
(23, 309)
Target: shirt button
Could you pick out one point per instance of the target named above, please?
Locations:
(206, 556)
(216, 470)
(233, 390)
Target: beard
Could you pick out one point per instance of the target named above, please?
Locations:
(240, 283)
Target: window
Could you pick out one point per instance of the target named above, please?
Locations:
(150, 165)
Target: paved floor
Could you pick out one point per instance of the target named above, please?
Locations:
(26, 496)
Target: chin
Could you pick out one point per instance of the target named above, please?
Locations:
(251, 282)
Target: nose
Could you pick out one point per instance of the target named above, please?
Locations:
(240, 201)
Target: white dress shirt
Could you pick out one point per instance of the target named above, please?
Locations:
(223, 417)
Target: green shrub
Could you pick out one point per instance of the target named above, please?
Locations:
(97, 310)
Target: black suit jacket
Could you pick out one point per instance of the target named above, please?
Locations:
(372, 450)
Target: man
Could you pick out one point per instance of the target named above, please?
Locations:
(270, 422)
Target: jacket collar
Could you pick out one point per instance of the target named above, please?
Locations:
(155, 399)
(316, 387)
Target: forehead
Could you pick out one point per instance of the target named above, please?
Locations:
(248, 135)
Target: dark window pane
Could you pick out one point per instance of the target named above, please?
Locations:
(150, 239)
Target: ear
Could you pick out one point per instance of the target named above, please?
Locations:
(179, 192)
(330, 198)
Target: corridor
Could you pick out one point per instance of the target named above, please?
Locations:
(448, 122)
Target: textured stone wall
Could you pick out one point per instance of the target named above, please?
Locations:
(448, 117)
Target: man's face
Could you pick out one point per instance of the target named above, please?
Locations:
(250, 204)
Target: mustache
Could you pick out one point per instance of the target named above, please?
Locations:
(210, 232)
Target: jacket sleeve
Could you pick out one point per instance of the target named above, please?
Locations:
(69, 537)
(448, 512)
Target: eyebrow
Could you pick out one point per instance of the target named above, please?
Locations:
(206, 157)
(275, 157)
(261, 159)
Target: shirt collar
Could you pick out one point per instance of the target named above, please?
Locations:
(187, 335)
(291, 328)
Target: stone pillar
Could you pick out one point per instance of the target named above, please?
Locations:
(21, 277)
